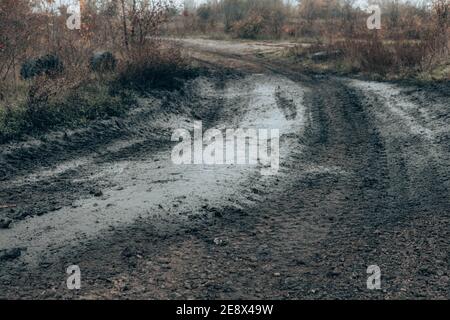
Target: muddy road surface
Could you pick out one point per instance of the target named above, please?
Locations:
(363, 180)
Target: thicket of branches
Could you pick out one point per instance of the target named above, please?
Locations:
(414, 35)
(29, 28)
(129, 29)
(300, 18)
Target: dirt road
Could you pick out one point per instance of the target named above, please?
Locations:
(363, 181)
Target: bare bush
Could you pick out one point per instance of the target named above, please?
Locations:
(127, 29)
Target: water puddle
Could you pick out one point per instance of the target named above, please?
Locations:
(155, 186)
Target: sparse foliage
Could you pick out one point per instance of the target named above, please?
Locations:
(32, 29)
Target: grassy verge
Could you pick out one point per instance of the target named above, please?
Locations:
(72, 99)
(38, 110)
(373, 59)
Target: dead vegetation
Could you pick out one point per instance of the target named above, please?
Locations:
(332, 35)
(77, 91)
(413, 39)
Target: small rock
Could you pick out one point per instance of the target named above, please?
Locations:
(97, 193)
(220, 242)
(333, 273)
(10, 254)
(300, 262)
(128, 252)
(4, 223)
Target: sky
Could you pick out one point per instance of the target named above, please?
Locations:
(360, 3)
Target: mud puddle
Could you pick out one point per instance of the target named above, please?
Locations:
(154, 186)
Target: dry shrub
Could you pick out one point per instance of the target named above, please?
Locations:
(156, 65)
(30, 29)
(383, 57)
(410, 55)
(41, 91)
(371, 55)
(249, 28)
(45, 91)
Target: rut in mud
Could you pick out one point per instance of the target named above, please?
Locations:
(363, 180)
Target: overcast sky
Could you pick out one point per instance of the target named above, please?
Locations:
(361, 3)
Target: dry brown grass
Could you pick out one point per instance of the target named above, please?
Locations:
(77, 94)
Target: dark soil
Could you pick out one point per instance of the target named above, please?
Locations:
(363, 181)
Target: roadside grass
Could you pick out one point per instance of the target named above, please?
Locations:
(163, 69)
(374, 59)
(439, 73)
(38, 110)
(77, 97)
(377, 59)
